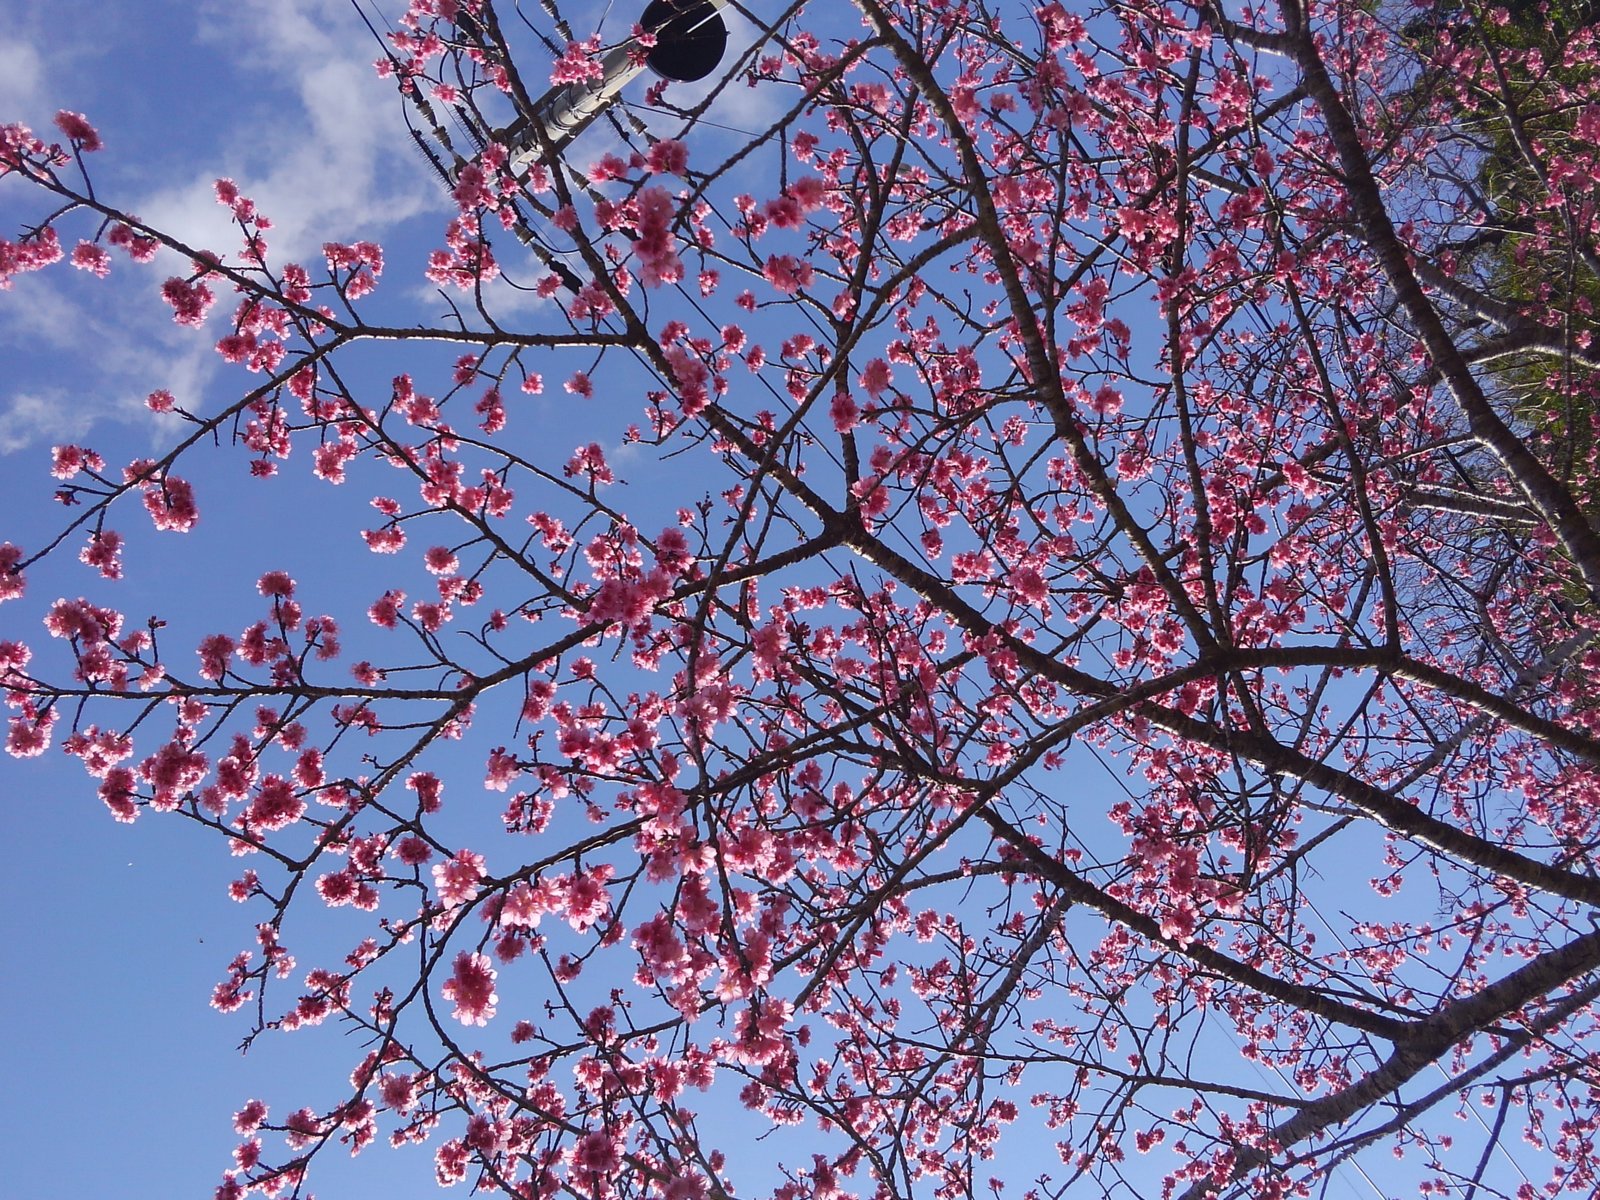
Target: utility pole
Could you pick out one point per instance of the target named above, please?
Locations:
(690, 40)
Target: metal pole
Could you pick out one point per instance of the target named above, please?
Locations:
(564, 112)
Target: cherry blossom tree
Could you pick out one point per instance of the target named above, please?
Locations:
(1097, 657)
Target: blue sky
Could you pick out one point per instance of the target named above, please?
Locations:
(120, 1075)
(114, 935)
(117, 933)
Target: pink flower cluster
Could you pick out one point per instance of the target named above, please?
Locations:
(29, 735)
(658, 261)
(30, 254)
(170, 502)
(190, 300)
(360, 263)
(668, 157)
(468, 261)
(11, 581)
(578, 63)
(94, 259)
(139, 248)
(456, 879)
(787, 273)
(471, 987)
(76, 126)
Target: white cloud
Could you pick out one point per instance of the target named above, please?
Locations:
(91, 358)
(34, 417)
(38, 315)
(309, 131)
(21, 81)
(333, 166)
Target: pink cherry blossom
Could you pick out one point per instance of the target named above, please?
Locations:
(11, 581)
(102, 552)
(844, 412)
(788, 274)
(502, 770)
(658, 261)
(413, 851)
(86, 256)
(456, 879)
(275, 583)
(171, 504)
(190, 301)
(596, 1154)
(76, 126)
(249, 1118)
(29, 736)
(668, 157)
(215, 651)
(275, 806)
(34, 253)
(876, 378)
(441, 561)
(471, 987)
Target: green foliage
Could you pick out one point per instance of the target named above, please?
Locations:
(1537, 255)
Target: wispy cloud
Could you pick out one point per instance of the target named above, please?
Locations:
(90, 355)
(21, 80)
(300, 120)
(308, 131)
(35, 417)
(332, 163)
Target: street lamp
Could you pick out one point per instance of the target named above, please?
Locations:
(690, 39)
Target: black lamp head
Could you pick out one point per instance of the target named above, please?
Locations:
(691, 38)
